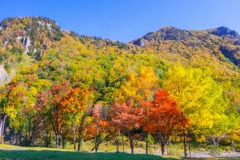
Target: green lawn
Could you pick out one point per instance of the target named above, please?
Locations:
(70, 155)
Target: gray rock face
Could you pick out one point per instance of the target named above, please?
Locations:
(40, 22)
(224, 31)
(149, 36)
(232, 55)
(0, 28)
(171, 33)
(139, 42)
(19, 39)
(4, 77)
(5, 43)
(26, 43)
(237, 42)
(49, 26)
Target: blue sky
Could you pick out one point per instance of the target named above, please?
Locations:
(125, 20)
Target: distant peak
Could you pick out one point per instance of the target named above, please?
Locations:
(224, 31)
(167, 33)
(37, 19)
(169, 28)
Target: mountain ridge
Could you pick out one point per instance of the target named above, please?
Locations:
(228, 40)
(174, 33)
(34, 36)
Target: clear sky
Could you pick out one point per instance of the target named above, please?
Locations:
(125, 20)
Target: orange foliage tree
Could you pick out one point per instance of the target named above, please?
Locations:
(125, 117)
(163, 118)
(73, 107)
(49, 105)
(99, 129)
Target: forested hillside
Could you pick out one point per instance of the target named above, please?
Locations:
(173, 84)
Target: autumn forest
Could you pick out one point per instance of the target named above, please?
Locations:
(169, 86)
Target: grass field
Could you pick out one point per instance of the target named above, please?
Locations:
(10, 152)
(32, 154)
(107, 152)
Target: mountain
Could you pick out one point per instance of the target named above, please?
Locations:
(27, 42)
(215, 41)
(24, 37)
(29, 37)
(224, 32)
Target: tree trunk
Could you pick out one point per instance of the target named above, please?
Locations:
(100, 140)
(79, 138)
(117, 144)
(18, 138)
(74, 137)
(63, 143)
(96, 148)
(131, 144)
(185, 144)
(122, 143)
(163, 148)
(215, 147)
(79, 144)
(2, 130)
(29, 129)
(57, 140)
(147, 145)
(97, 142)
(189, 149)
(80, 131)
(232, 145)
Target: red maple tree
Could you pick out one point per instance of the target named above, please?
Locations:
(163, 118)
(125, 117)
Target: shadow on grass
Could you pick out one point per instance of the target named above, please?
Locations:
(67, 155)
